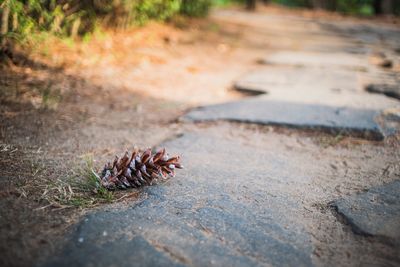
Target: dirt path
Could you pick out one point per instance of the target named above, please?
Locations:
(270, 201)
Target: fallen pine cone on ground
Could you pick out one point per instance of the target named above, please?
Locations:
(138, 169)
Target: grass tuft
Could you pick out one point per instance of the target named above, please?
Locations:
(81, 189)
(50, 98)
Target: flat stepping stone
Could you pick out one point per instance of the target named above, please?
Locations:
(337, 48)
(391, 90)
(275, 79)
(375, 212)
(333, 100)
(321, 60)
(269, 112)
(336, 87)
(219, 211)
(369, 33)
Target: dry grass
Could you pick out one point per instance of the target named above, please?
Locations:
(80, 189)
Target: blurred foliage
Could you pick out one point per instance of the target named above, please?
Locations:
(352, 7)
(197, 8)
(22, 18)
(293, 3)
(152, 9)
(227, 2)
(355, 7)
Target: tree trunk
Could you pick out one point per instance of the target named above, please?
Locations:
(5, 14)
(251, 4)
(387, 6)
(15, 21)
(324, 4)
(383, 7)
(378, 7)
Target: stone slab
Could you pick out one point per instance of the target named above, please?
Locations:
(375, 212)
(391, 90)
(337, 88)
(263, 111)
(272, 79)
(324, 47)
(218, 211)
(321, 60)
(372, 34)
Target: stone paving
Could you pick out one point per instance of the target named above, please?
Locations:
(306, 97)
(375, 212)
(242, 203)
(263, 111)
(391, 90)
(216, 214)
(326, 60)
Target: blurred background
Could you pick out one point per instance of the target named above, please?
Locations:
(81, 80)
(21, 19)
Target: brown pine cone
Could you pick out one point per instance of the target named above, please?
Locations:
(138, 169)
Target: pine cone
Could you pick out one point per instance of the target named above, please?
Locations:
(138, 169)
